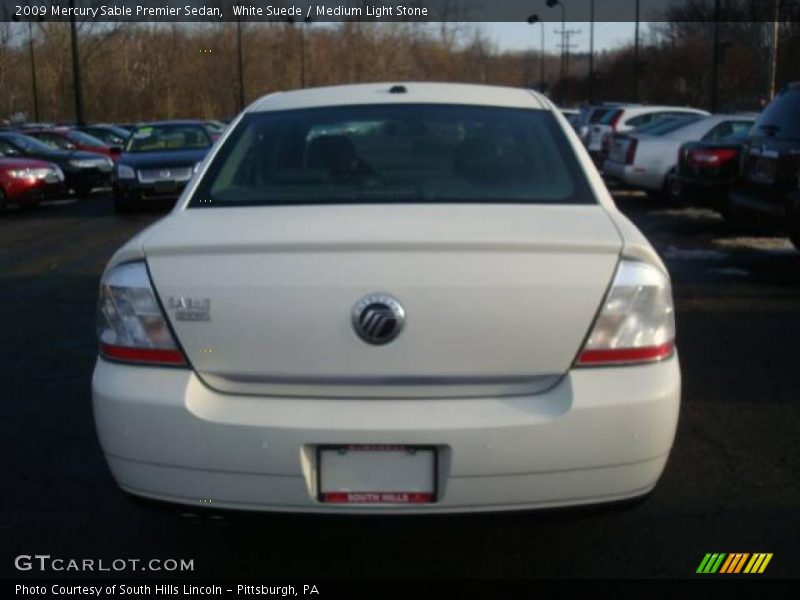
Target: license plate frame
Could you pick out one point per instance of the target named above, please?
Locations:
(377, 497)
(167, 186)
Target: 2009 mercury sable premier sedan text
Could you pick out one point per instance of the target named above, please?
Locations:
(389, 298)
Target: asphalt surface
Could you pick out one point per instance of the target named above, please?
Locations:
(731, 485)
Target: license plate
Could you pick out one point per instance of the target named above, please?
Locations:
(763, 170)
(165, 187)
(377, 475)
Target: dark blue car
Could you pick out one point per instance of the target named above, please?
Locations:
(158, 161)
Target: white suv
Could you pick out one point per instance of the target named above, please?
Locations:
(627, 118)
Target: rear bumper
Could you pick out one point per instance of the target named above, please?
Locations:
(90, 178)
(631, 176)
(599, 435)
(704, 192)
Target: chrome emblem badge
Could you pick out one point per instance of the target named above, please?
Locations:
(165, 174)
(378, 318)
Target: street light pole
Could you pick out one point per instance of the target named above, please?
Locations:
(773, 59)
(33, 73)
(541, 63)
(76, 66)
(560, 4)
(636, 57)
(716, 60)
(531, 21)
(591, 51)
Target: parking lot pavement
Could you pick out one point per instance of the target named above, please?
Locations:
(730, 484)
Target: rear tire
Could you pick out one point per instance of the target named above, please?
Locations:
(794, 237)
(3, 201)
(674, 190)
(723, 207)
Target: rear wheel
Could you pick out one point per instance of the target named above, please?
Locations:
(794, 237)
(675, 191)
(3, 200)
(723, 207)
(663, 194)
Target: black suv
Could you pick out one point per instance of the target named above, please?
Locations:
(770, 182)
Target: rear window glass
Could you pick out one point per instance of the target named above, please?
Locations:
(394, 153)
(86, 139)
(157, 138)
(669, 124)
(598, 114)
(781, 118)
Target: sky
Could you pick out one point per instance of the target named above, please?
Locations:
(521, 36)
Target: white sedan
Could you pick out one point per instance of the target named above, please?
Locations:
(645, 159)
(389, 298)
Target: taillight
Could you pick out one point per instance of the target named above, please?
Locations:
(605, 144)
(707, 157)
(630, 154)
(637, 321)
(130, 324)
(615, 120)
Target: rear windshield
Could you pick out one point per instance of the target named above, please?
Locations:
(600, 114)
(781, 119)
(159, 138)
(27, 143)
(86, 139)
(667, 125)
(394, 153)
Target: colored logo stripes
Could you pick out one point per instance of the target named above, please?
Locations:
(736, 562)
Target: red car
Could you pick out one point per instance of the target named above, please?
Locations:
(63, 138)
(26, 181)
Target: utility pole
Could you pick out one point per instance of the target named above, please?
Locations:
(240, 60)
(636, 57)
(773, 60)
(591, 51)
(76, 66)
(715, 68)
(566, 46)
(33, 73)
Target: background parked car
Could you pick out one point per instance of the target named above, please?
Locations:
(628, 118)
(158, 161)
(706, 170)
(71, 139)
(573, 116)
(646, 160)
(770, 182)
(83, 171)
(26, 182)
(594, 113)
(111, 135)
(215, 129)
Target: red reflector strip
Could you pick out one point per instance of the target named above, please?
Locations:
(377, 497)
(625, 355)
(156, 356)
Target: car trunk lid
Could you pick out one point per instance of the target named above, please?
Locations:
(498, 298)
